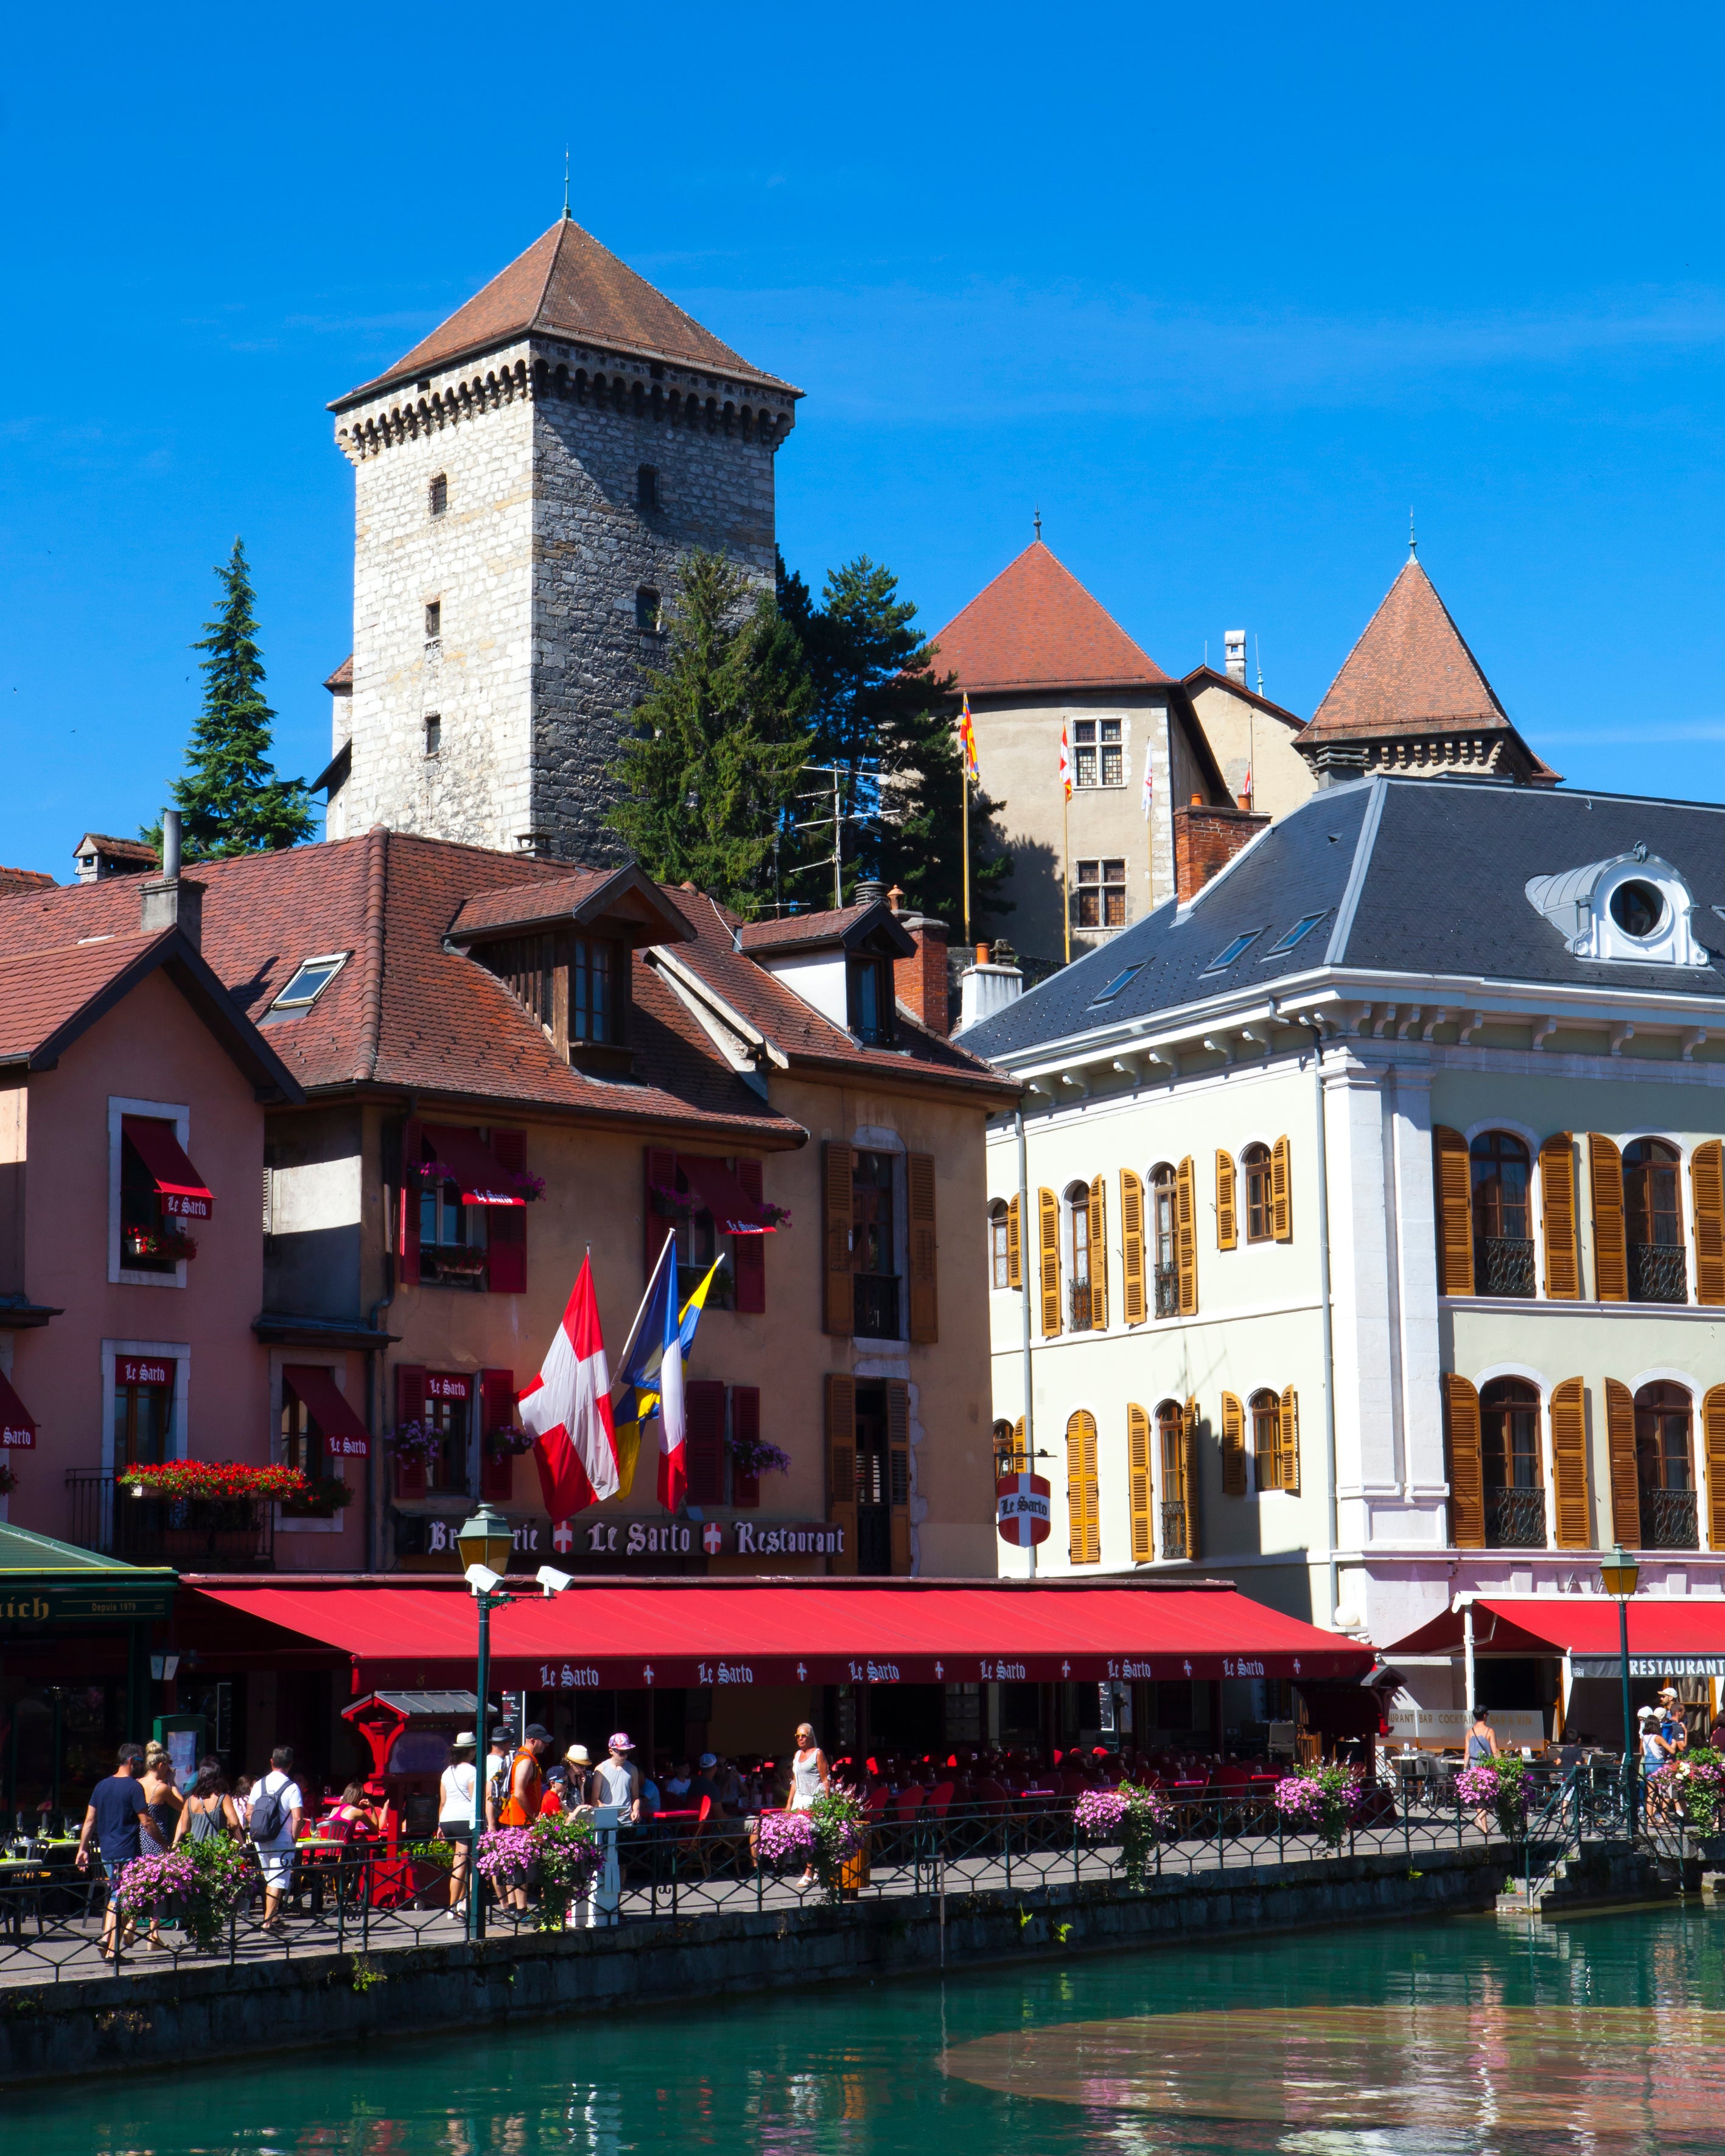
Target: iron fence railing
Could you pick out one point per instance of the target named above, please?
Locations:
(1175, 1532)
(1659, 1272)
(1167, 1292)
(199, 1534)
(1081, 1302)
(1515, 1519)
(1669, 1520)
(1502, 1265)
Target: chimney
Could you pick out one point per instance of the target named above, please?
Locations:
(1338, 764)
(989, 986)
(919, 981)
(1206, 839)
(1234, 645)
(171, 899)
(867, 890)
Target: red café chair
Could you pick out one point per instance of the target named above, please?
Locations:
(876, 1801)
(991, 1797)
(939, 1798)
(910, 1801)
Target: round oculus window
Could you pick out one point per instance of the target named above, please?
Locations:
(1637, 908)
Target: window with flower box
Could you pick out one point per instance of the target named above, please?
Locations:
(143, 1411)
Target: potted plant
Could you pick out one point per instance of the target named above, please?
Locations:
(784, 1842)
(1698, 1781)
(1131, 1818)
(569, 1858)
(197, 1886)
(1319, 1800)
(324, 1496)
(841, 1855)
(1499, 1786)
(670, 1204)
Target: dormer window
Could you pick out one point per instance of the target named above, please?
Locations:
(872, 1008)
(594, 968)
(1633, 909)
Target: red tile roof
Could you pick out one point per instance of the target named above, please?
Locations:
(1036, 627)
(42, 991)
(26, 879)
(341, 681)
(566, 284)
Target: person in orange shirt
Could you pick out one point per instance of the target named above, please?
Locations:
(526, 1792)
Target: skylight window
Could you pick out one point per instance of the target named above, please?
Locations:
(1241, 943)
(1117, 983)
(309, 983)
(1303, 927)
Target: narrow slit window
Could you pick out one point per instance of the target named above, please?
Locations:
(434, 734)
(439, 494)
(434, 620)
(646, 608)
(646, 486)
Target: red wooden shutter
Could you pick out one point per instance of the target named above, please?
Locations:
(925, 1306)
(507, 1225)
(496, 1407)
(661, 1168)
(410, 1407)
(745, 1430)
(748, 1253)
(898, 1470)
(704, 1400)
(407, 1204)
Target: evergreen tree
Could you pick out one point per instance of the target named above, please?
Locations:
(230, 801)
(711, 763)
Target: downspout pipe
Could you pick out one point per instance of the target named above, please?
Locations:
(374, 1415)
(1024, 1300)
(1326, 1318)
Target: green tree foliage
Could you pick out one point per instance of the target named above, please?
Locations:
(231, 801)
(884, 717)
(712, 761)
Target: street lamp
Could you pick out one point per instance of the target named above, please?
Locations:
(486, 1544)
(1619, 1578)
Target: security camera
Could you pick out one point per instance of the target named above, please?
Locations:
(483, 1580)
(553, 1581)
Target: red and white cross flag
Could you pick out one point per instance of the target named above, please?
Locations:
(567, 1409)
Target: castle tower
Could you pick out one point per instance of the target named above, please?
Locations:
(526, 481)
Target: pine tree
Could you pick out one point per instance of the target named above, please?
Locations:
(231, 801)
(717, 744)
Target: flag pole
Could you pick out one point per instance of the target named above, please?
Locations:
(964, 794)
(1066, 867)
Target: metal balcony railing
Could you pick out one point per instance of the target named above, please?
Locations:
(1659, 1272)
(875, 1307)
(1174, 1531)
(195, 1534)
(1515, 1519)
(1082, 1305)
(1669, 1520)
(1167, 1292)
(1502, 1265)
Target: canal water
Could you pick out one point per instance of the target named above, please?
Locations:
(1606, 2033)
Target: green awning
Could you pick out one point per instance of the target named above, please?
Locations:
(43, 1581)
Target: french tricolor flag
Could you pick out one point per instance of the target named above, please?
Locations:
(567, 1409)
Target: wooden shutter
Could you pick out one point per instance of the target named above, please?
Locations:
(838, 1173)
(1139, 1483)
(1186, 1238)
(413, 1144)
(507, 1225)
(1282, 1191)
(1189, 1476)
(898, 1470)
(925, 1303)
(841, 1465)
(410, 1407)
(1099, 1255)
(1712, 1439)
(1020, 1451)
(745, 1430)
(1562, 1261)
(748, 1253)
(1233, 1464)
(1227, 1215)
(703, 1442)
(1569, 1463)
(1047, 1207)
(1462, 1462)
(1454, 1215)
(1625, 1485)
(496, 1411)
(1707, 1192)
(1132, 1248)
(1604, 1166)
(659, 1167)
(1084, 1534)
(1289, 1449)
(1015, 1246)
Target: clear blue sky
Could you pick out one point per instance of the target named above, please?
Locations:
(1224, 291)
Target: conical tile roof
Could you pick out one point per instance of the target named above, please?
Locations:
(1036, 627)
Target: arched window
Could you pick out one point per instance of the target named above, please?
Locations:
(1009, 1448)
(1265, 1408)
(1082, 1263)
(1509, 1454)
(1653, 1219)
(1665, 1467)
(1260, 1220)
(1179, 1524)
(1084, 1524)
(1000, 1243)
(1501, 1175)
(1162, 1239)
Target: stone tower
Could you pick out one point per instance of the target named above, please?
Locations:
(526, 481)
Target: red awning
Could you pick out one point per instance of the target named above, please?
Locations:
(471, 1166)
(185, 1196)
(1669, 1635)
(344, 1434)
(629, 1634)
(734, 1212)
(17, 1425)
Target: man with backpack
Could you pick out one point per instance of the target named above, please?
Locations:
(277, 1809)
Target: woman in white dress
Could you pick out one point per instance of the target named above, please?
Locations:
(810, 1778)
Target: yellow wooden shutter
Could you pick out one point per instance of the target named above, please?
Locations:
(1139, 1483)
(1132, 1247)
(1190, 1476)
(1014, 1262)
(1713, 1438)
(1463, 1464)
(1099, 1255)
(1625, 1485)
(1282, 1191)
(1568, 1464)
(1290, 1421)
(1557, 1184)
(925, 1301)
(1084, 1537)
(1234, 1468)
(1227, 1214)
(1604, 1165)
(1049, 1209)
(1186, 1238)
(898, 1471)
(841, 1465)
(838, 1174)
(1020, 1451)
(1454, 1212)
(1707, 1190)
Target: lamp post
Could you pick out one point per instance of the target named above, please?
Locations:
(486, 1544)
(1620, 1577)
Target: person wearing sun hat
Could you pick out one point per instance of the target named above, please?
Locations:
(454, 1816)
(617, 1779)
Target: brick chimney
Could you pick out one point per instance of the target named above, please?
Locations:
(1206, 839)
(921, 982)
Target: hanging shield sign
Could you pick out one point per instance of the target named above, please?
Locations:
(1022, 1511)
